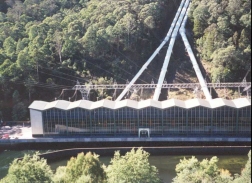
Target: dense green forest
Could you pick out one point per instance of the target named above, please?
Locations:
(222, 31)
(47, 45)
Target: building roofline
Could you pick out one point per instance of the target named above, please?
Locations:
(89, 105)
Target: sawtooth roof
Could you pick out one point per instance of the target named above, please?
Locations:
(85, 104)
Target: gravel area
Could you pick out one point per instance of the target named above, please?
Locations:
(17, 132)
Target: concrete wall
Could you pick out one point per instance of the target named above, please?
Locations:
(127, 139)
(36, 122)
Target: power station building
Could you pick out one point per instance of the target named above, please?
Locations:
(195, 117)
(153, 118)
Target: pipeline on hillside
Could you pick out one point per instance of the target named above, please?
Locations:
(193, 60)
(169, 52)
(154, 54)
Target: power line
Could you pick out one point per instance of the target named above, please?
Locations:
(127, 58)
(79, 78)
(104, 70)
(33, 83)
(57, 76)
(130, 73)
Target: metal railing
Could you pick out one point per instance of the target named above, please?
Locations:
(170, 85)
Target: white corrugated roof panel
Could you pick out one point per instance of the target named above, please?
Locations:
(50, 105)
(149, 103)
(197, 102)
(156, 104)
(38, 105)
(73, 105)
(66, 105)
(85, 104)
(173, 103)
(59, 104)
(218, 102)
(109, 104)
(97, 104)
(242, 102)
(143, 104)
(126, 103)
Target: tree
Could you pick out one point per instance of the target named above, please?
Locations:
(82, 169)
(134, 167)
(16, 11)
(23, 60)
(207, 42)
(19, 109)
(58, 44)
(226, 61)
(246, 172)
(222, 28)
(192, 171)
(200, 15)
(10, 47)
(15, 97)
(2, 17)
(246, 20)
(234, 7)
(48, 7)
(31, 168)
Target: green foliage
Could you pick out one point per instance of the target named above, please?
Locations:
(193, 171)
(31, 168)
(96, 38)
(222, 32)
(10, 46)
(39, 38)
(102, 81)
(206, 171)
(84, 168)
(19, 112)
(246, 172)
(4, 66)
(2, 17)
(227, 60)
(200, 15)
(134, 167)
(15, 97)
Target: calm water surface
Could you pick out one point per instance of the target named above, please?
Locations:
(165, 164)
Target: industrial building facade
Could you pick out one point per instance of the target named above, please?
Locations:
(196, 117)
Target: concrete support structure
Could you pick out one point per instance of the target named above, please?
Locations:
(36, 122)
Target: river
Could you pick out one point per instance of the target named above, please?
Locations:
(165, 164)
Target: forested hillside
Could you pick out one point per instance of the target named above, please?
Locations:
(222, 32)
(47, 45)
